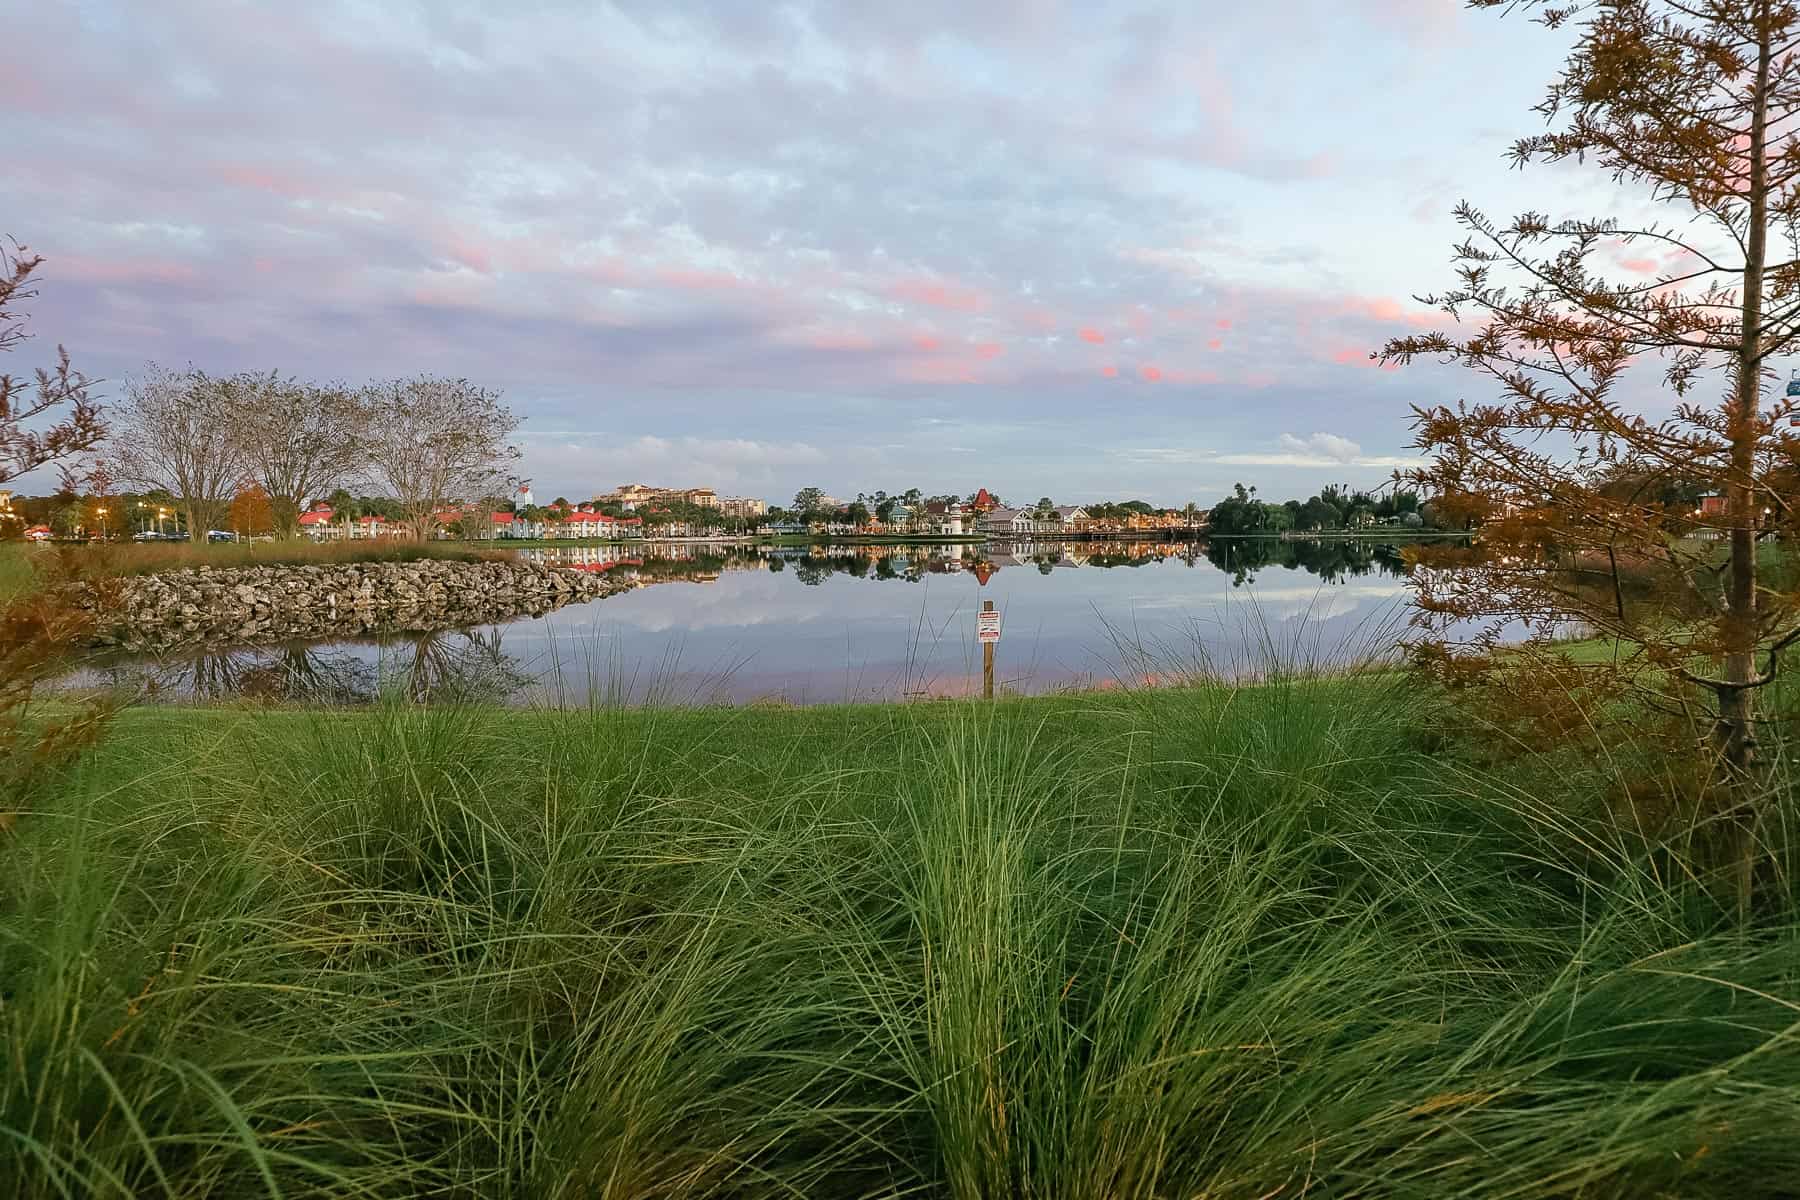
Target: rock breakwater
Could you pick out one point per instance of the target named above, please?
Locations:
(252, 605)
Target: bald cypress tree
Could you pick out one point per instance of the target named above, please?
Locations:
(1628, 462)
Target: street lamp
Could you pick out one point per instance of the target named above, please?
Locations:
(101, 513)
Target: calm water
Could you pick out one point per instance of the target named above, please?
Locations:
(711, 624)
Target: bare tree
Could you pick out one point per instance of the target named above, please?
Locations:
(298, 439)
(175, 431)
(26, 443)
(429, 440)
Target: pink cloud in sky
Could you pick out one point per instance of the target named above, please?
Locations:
(840, 340)
(1223, 323)
(693, 279)
(937, 293)
(1150, 374)
(119, 270)
(1639, 266)
(1090, 334)
(937, 370)
(989, 350)
(1110, 372)
(925, 342)
(262, 179)
(1215, 343)
(467, 253)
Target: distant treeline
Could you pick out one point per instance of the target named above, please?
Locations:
(1331, 508)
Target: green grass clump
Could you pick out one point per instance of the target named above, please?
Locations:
(1208, 941)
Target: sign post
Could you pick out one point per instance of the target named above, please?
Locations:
(987, 629)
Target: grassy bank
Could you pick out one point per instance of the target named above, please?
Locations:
(1200, 942)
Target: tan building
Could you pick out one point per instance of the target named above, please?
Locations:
(631, 495)
(743, 506)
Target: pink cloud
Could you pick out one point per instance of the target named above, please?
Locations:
(925, 342)
(697, 280)
(1223, 323)
(1093, 335)
(120, 271)
(1110, 372)
(1389, 311)
(1150, 374)
(989, 350)
(935, 293)
(261, 179)
(1215, 344)
(937, 370)
(1639, 266)
(467, 253)
(841, 340)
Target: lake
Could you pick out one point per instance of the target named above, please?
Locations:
(722, 623)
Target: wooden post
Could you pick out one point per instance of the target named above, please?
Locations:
(987, 659)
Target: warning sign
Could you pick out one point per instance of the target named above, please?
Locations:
(987, 626)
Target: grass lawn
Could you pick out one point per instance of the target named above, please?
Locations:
(1211, 942)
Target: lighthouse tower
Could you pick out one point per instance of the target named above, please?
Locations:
(522, 497)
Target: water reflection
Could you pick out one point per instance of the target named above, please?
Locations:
(722, 622)
(437, 667)
(1331, 560)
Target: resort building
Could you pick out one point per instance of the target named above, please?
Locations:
(743, 507)
(1008, 522)
(630, 496)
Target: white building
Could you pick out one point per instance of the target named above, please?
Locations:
(1007, 522)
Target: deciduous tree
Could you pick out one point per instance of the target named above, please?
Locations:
(298, 439)
(176, 431)
(1694, 105)
(429, 440)
(54, 418)
(808, 501)
(251, 513)
(51, 421)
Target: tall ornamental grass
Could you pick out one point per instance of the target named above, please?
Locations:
(1210, 941)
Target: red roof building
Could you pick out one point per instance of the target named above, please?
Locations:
(984, 502)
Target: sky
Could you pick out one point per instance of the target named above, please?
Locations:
(1085, 250)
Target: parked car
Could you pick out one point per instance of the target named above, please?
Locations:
(220, 535)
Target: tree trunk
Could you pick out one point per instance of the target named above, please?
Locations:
(1743, 513)
(286, 514)
(1736, 738)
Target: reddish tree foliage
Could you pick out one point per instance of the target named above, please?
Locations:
(1632, 509)
(50, 424)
